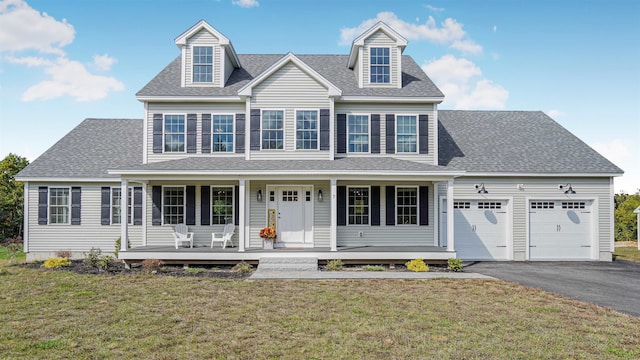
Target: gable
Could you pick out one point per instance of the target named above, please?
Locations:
(290, 84)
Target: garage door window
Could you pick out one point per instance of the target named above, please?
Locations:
(573, 204)
(461, 205)
(542, 204)
(489, 205)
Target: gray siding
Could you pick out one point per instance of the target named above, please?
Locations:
(380, 39)
(203, 38)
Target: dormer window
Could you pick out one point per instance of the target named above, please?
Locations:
(379, 66)
(202, 64)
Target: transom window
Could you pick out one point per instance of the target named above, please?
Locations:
(358, 133)
(358, 206)
(173, 205)
(406, 138)
(407, 206)
(221, 205)
(203, 64)
(59, 201)
(222, 133)
(307, 129)
(116, 205)
(273, 129)
(379, 65)
(174, 133)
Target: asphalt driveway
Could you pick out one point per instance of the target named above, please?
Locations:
(611, 284)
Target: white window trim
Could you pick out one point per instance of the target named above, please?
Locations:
(390, 62)
(368, 133)
(417, 134)
(233, 203)
(295, 118)
(164, 115)
(49, 206)
(417, 204)
(213, 62)
(368, 187)
(233, 133)
(184, 203)
(129, 204)
(284, 129)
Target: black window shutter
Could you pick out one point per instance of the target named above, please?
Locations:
(255, 129)
(391, 205)
(324, 129)
(190, 213)
(375, 133)
(137, 205)
(240, 120)
(192, 133)
(375, 205)
(391, 133)
(76, 195)
(423, 129)
(105, 209)
(43, 198)
(236, 205)
(156, 211)
(206, 133)
(157, 133)
(205, 205)
(342, 133)
(342, 205)
(424, 205)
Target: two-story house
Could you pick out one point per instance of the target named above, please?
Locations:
(346, 156)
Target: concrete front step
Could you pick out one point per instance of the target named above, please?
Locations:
(288, 264)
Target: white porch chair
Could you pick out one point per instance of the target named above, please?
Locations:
(225, 237)
(182, 234)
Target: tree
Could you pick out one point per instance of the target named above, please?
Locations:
(626, 226)
(11, 196)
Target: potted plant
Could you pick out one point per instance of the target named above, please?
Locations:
(268, 236)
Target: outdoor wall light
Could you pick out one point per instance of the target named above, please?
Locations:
(320, 196)
(481, 189)
(259, 196)
(569, 190)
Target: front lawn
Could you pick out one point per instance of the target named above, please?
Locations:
(8, 255)
(627, 253)
(59, 314)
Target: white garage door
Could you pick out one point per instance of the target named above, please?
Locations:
(480, 229)
(560, 229)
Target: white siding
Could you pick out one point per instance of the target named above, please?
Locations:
(290, 89)
(380, 39)
(203, 38)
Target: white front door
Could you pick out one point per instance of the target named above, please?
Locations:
(290, 223)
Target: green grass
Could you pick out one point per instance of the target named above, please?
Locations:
(6, 256)
(627, 253)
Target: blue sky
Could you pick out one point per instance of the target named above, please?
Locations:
(579, 61)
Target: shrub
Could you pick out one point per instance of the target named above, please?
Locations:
(56, 263)
(417, 265)
(92, 258)
(335, 265)
(104, 263)
(454, 264)
(242, 267)
(13, 250)
(118, 244)
(152, 264)
(63, 254)
(373, 268)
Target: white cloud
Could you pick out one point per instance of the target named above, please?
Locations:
(246, 3)
(30, 61)
(24, 28)
(621, 153)
(463, 85)
(449, 32)
(103, 62)
(495, 28)
(433, 8)
(71, 78)
(554, 113)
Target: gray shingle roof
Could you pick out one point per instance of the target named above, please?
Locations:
(332, 67)
(514, 142)
(89, 150)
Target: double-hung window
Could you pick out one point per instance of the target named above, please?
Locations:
(59, 205)
(379, 66)
(273, 129)
(307, 130)
(406, 134)
(173, 204)
(174, 133)
(221, 205)
(358, 133)
(116, 205)
(222, 133)
(406, 206)
(202, 64)
(358, 205)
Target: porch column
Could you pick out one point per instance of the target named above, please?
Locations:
(124, 214)
(450, 246)
(242, 198)
(436, 214)
(333, 241)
